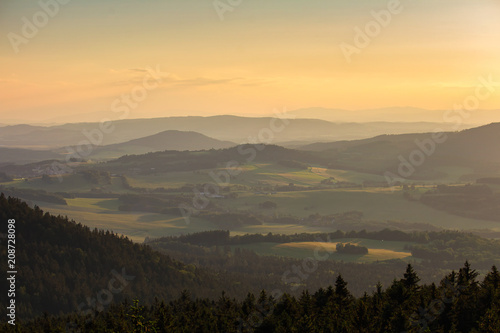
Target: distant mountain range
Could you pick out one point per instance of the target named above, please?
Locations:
(470, 153)
(393, 114)
(465, 155)
(225, 128)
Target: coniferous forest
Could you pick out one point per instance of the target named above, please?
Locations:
(250, 166)
(73, 279)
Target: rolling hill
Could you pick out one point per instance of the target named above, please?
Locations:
(22, 156)
(167, 140)
(474, 150)
(63, 264)
(168, 161)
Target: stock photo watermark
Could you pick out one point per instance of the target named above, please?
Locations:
(296, 276)
(223, 6)
(425, 316)
(105, 296)
(427, 147)
(121, 106)
(363, 36)
(30, 27)
(254, 144)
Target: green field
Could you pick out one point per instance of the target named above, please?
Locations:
(377, 250)
(104, 214)
(377, 204)
(253, 175)
(75, 183)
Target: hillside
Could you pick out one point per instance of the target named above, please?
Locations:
(65, 267)
(167, 140)
(61, 264)
(472, 150)
(168, 161)
(22, 156)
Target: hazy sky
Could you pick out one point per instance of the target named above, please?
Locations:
(262, 54)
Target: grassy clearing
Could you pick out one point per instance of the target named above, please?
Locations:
(106, 205)
(348, 176)
(377, 250)
(377, 204)
(170, 180)
(250, 175)
(286, 229)
(320, 246)
(102, 214)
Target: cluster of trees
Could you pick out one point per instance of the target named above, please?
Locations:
(459, 303)
(468, 189)
(372, 183)
(248, 269)
(351, 249)
(96, 176)
(454, 239)
(457, 247)
(293, 164)
(328, 181)
(164, 204)
(66, 267)
(165, 161)
(268, 205)
(489, 180)
(169, 161)
(218, 251)
(188, 188)
(171, 203)
(230, 220)
(317, 219)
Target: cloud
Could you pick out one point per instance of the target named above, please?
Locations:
(142, 70)
(133, 76)
(205, 81)
(202, 81)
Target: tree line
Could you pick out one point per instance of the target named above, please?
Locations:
(459, 303)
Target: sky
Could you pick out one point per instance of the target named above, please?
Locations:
(82, 58)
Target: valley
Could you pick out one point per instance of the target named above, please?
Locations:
(236, 166)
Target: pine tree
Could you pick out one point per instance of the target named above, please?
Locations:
(411, 279)
(341, 290)
(490, 322)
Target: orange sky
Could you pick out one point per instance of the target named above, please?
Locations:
(262, 55)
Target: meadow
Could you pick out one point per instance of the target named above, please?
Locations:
(252, 187)
(377, 250)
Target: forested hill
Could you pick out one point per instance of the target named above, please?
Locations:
(459, 303)
(472, 148)
(87, 278)
(169, 160)
(61, 264)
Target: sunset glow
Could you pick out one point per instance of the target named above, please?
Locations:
(262, 55)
